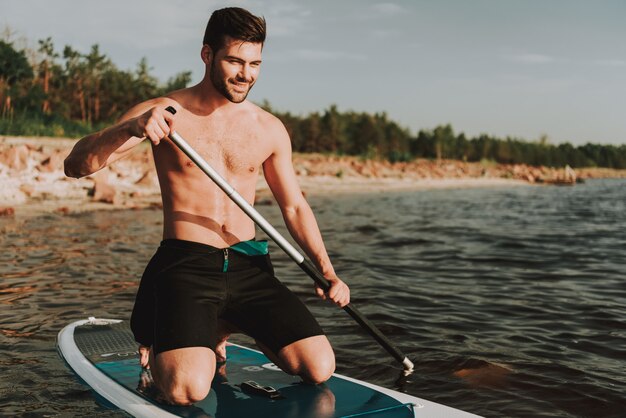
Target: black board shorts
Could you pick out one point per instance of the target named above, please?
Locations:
(187, 286)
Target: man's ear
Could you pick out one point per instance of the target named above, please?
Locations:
(206, 54)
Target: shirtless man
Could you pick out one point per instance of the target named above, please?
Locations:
(208, 268)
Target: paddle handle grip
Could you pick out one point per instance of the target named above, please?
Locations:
(308, 267)
(315, 274)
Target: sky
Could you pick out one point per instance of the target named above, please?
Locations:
(518, 68)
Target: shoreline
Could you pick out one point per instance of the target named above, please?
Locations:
(33, 182)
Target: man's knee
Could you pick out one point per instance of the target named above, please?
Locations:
(184, 376)
(187, 391)
(318, 369)
(312, 359)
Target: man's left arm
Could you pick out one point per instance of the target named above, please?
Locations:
(298, 216)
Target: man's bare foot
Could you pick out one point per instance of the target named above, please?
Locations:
(144, 356)
(220, 373)
(224, 330)
(146, 384)
(220, 351)
(220, 348)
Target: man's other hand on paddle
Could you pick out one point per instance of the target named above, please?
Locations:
(339, 292)
(155, 124)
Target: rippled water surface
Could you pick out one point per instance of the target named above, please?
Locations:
(510, 301)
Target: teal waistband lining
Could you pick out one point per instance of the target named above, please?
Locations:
(251, 247)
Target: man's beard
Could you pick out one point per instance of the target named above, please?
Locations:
(222, 86)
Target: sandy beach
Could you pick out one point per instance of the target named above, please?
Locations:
(33, 182)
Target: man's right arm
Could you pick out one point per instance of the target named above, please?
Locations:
(96, 151)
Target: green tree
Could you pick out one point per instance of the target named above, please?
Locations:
(96, 65)
(46, 70)
(331, 136)
(14, 72)
(311, 131)
(444, 141)
(145, 85)
(179, 81)
(75, 77)
(424, 145)
(366, 137)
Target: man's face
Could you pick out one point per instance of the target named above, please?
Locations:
(235, 67)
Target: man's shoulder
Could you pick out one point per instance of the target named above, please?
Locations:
(163, 102)
(146, 105)
(265, 119)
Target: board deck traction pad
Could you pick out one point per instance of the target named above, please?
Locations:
(111, 348)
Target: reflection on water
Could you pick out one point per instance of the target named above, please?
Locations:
(509, 301)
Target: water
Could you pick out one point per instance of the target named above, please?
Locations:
(510, 301)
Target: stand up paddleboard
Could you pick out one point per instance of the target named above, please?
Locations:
(103, 353)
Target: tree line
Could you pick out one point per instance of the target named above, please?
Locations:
(68, 93)
(44, 91)
(375, 136)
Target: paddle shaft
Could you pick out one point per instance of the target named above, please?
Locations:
(285, 245)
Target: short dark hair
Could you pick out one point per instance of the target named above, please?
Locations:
(235, 22)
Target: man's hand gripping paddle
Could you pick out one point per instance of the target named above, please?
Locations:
(304, 264)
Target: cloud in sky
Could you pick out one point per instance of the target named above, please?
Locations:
(410, 58)
(137, 23)
(385, 33)
(321, 55)
(284, 18)
(528, 58)
(387, 9)
(611, 62)
(311, 55)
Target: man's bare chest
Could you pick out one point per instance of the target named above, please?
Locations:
(229, 148)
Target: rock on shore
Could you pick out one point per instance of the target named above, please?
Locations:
(31, 174)
(420, 169)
